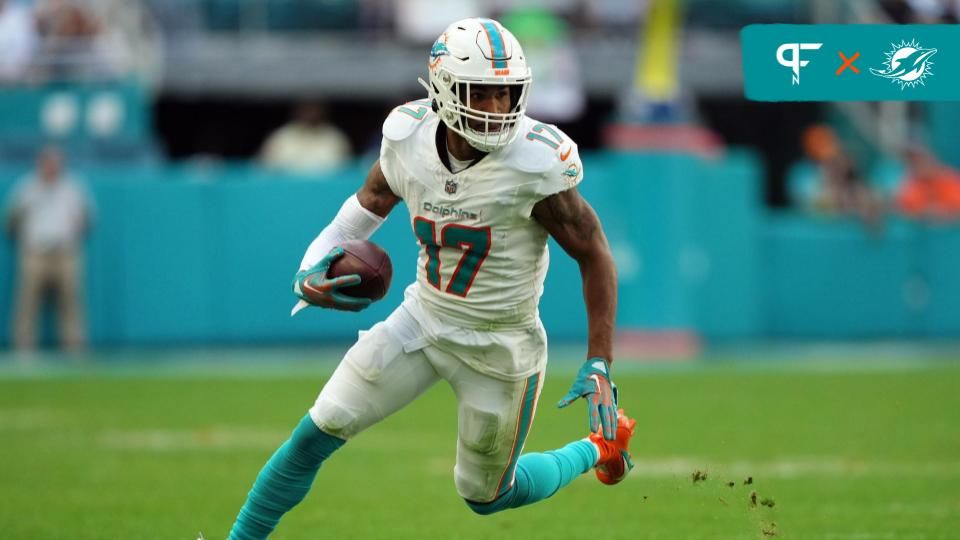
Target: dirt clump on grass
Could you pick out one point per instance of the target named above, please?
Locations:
(698, 476)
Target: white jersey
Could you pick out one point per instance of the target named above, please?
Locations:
(483, 257)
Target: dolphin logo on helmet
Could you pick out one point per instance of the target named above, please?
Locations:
(439, 49)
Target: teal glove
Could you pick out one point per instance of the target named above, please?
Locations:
(593, 384)
(314, 287)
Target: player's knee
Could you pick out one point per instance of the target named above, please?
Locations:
(469, 486)
(478, 430)
(486, 508)
(483, 509)
(334, 419)
(478, 484)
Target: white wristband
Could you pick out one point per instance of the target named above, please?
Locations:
(352, 222)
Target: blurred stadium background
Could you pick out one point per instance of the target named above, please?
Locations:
(788, 310)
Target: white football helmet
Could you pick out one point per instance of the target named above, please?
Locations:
(478, 52)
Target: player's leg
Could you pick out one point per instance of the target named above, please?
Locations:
(531, 477)
(376, 378)
(495, 418)
(539, 475)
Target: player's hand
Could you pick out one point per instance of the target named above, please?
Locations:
(314, 287)
(593, 384)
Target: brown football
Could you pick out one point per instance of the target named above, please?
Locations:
(370, 262)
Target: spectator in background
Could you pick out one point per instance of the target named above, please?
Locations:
(840, 187)
(18, 40)
(421, 21)
(929, 188)
(309, 143)
(73, 42)
(48, 215)
(616, 13)
(921, 11)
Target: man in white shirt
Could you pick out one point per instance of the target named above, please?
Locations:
(48, 214)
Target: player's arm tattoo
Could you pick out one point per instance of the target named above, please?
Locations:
(575, 226)
(376, 195)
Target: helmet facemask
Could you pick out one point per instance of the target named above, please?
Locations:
(484, 131)
(487, 131)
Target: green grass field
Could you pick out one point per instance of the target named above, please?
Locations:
(845, 450)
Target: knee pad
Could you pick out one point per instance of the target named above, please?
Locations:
(479, 430)
(334, 418)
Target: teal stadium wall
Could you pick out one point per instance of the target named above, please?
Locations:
(204, 254)
(187, 254)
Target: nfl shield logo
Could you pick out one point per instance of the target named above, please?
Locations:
(450, 187)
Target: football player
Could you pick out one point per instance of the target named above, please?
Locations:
(485, 185)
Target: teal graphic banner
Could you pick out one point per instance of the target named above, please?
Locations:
(857, 62)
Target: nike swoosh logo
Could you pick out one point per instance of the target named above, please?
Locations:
(309, 287)
(565, 155)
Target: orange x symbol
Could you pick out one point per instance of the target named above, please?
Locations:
(848, 62)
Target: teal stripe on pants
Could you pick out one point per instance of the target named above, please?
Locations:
(527, 408)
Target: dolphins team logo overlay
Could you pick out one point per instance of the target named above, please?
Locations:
(907, 64)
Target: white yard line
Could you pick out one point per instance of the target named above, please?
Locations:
(28, 418)
(218, 438)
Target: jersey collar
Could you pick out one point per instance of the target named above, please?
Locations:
(441, 145)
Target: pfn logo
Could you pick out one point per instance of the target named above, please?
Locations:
(794, 62)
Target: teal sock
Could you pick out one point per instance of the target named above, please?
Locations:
(284, 481)
(539, 476)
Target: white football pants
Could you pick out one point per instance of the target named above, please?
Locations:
(397, 360)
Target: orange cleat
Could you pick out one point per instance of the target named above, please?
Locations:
(614, 463)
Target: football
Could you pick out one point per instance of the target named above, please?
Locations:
(370, 262)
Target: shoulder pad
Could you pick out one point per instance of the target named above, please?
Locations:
(405, 119)
(539, 147)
